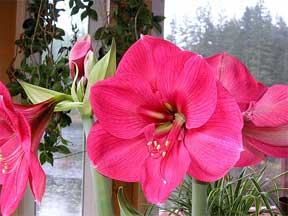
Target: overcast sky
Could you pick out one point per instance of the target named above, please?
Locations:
(231, 8)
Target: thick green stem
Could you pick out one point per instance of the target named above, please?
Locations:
(199, 198)
(102, 186)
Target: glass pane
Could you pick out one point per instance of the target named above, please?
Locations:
(64, 186)
(63, 195)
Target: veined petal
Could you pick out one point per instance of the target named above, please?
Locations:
(13, 188)
(237, 79)
(37, 178)
(77, 55)
(4, 93)
(249, 156)
(161, 176)
(117, 103)
(274, 136)
(38, 116)
(120, 159)
(215, 147)
(271, 110)
(270, 150)
(195, 92)
(144, 58)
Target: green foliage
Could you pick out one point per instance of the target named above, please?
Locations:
(85, 5)
(232, 196)
(40, 67)
(261, 44)
(129, 19)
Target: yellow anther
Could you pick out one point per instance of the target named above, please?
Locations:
(163, 154)
(158, 147)
(149, 143)
(155, 143)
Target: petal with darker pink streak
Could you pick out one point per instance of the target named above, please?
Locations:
(215, 147)
(117, 104)
(236, 78)
(270, 150)
(37, 178)
(14, 187)
(146, 57)
(195, 92)
(120, 159)
(272, 108)
(249, 156)
(161, 176)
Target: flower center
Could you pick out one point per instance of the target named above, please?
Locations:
(248, 114)
(159, 147)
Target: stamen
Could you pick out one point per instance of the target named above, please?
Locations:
(166, 143)
(164, 181)
(149, 143)
(155, 143)
(163, 154)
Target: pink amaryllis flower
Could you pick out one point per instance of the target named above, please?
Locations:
(21, 130)
(264, 110)
(163, 115)
(78, 54)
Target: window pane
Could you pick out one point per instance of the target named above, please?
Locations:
(63, 195)
(64, 185)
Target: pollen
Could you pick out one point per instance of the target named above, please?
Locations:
(158, 147)
(163, 154)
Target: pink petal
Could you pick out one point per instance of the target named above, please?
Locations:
(271, 110)
(77, 55)
(4, 93)
(144, 58)
(37, 178)
(249, 156)
(274, 136)
(215, 147)
(195, 92)
(116, 158)
(162, 176)
(38, 116)
(13, 188)
(17, 123)
(237, 79)
(270, 150)
(117, 103)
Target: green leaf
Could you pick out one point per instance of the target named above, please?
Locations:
(63, 149)
(38, 94)
(74, 10)
(125, 207)
(93, 14)
(104, 68)
(84, 15)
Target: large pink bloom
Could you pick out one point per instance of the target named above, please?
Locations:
(163, 115)
(78, 54)
(264, 110)
(21, 130)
